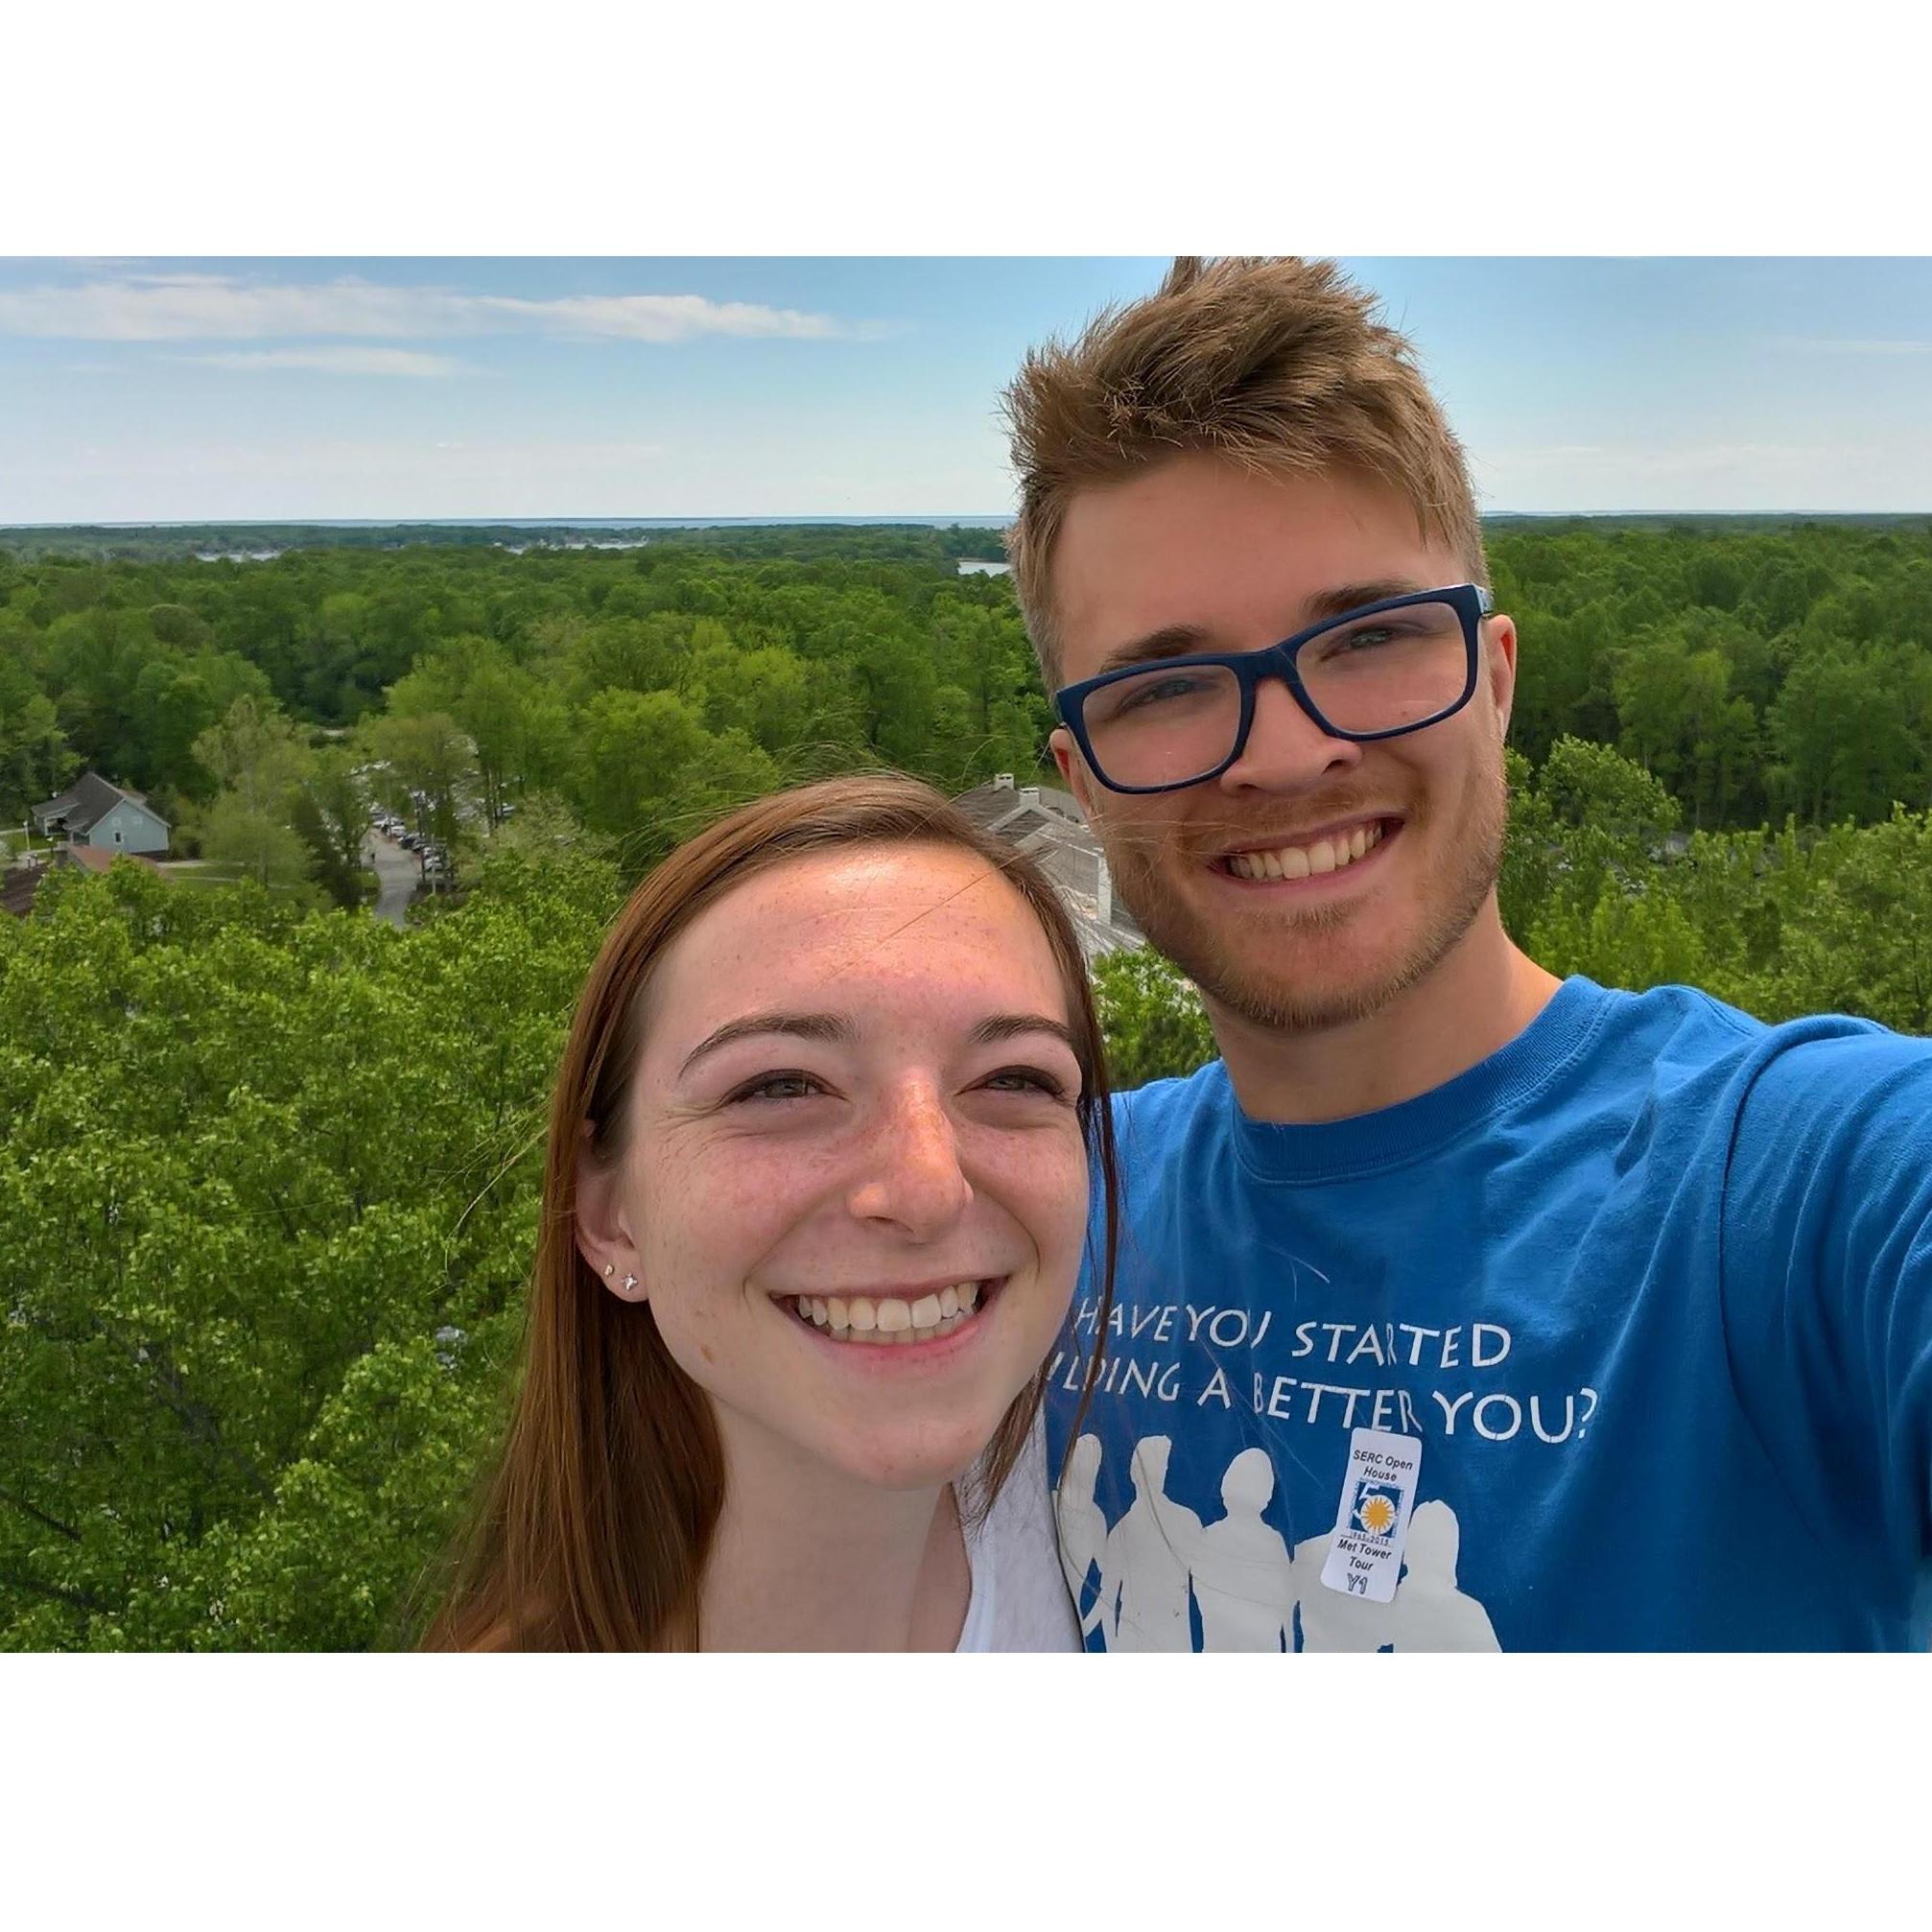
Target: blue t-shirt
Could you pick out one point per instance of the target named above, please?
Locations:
(1651, 1287)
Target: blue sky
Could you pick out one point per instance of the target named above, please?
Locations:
(170, 390)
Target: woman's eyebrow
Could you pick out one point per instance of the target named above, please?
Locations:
(1011, 1026)
(827, 1026)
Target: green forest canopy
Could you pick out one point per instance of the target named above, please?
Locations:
(1756, 669)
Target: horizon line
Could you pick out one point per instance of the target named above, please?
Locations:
(960, 517)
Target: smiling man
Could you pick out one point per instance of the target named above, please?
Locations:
(1565, 1317)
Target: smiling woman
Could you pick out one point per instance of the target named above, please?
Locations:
(816, 1200)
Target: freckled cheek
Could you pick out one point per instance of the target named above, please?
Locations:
(723, 1213)
(1046, 1190)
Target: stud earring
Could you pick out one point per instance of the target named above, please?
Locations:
(609, 1269)
(629, 1283)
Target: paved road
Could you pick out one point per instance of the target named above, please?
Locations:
(401, 874)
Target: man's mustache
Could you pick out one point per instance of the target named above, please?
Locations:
(1235, 826)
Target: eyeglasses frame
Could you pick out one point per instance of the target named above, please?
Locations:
(1470, 601)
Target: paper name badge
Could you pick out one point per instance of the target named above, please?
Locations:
(1372, 1524)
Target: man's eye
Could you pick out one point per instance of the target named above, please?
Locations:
(1160, 691)
(1368, 637)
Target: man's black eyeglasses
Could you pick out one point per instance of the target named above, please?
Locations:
(1389, 668)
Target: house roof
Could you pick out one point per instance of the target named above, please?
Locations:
(1057, 837)
(87, 801)
(98, 858)
(18, 885)
(985, 805)
(1021, 824)
(20, 882)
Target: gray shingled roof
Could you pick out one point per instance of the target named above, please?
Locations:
(985, 805)
(86, 802)
(1057, 836)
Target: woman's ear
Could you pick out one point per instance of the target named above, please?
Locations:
(603, 1235)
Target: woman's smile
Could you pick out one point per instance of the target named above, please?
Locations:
(908, 1319)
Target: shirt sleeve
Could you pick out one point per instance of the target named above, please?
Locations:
(1825, 1279)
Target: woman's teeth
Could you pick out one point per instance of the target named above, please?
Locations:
(883, 1320)
(1298, 861)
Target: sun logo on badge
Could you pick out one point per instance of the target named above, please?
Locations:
(1376, 1508)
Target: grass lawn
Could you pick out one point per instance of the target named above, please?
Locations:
(203, 877)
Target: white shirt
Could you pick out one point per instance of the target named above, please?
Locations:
(1019, 1600)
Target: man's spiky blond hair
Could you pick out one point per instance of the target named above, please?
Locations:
(1273, 362)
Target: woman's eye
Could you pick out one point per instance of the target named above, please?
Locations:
(774, 1087)
(1027, 1079)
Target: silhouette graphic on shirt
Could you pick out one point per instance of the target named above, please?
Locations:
(1083, 1538)
(1431, 1614)
(1330, 1620)
(1149, 1555)
(1243, 1580)
(1427, 1610)
(1251, 1592)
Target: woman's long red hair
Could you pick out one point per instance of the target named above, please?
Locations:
(596, 1523)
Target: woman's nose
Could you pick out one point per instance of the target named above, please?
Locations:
(912, 1176)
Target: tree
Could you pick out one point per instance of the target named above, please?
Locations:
(1155, 1026)
(426, 768)
(35, 761)
(1609, 817)
(260, 845)
(255, 752)
(251, 1358)
(331, 814)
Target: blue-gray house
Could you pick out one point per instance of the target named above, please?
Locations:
(91, 811)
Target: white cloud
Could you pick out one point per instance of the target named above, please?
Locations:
(188, 307)
(660, 319)
(344, 361)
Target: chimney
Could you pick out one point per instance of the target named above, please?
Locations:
(1103, 896)
(1030, 794)
(1002, 781)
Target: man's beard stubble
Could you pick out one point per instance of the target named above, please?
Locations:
(1239, 984)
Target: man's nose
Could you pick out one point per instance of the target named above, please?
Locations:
(912, 1176)
(1287, 749)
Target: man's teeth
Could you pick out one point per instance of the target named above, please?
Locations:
(1298, 861)
(883, 1319)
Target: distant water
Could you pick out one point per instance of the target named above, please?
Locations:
(583, 543)
(969, 566)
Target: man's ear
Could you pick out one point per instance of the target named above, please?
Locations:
(1073, 767)
(603, 1231)
(1500, 665)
